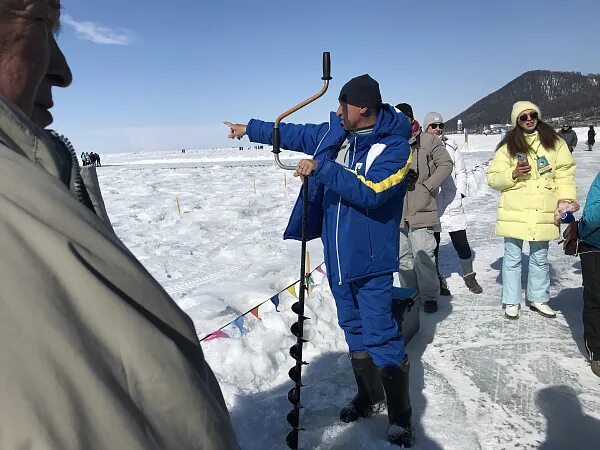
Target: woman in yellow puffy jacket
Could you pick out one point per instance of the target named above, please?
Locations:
(534, 170)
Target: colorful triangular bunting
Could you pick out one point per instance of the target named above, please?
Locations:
(254, 312)
(239, 322)
(216, 335)
(275, 301)
(292, 290)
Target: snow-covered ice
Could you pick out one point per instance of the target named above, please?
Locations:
(478, 381)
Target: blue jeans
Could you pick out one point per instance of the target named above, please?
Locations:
(538, 281)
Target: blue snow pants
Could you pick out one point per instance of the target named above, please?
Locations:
(364, 310)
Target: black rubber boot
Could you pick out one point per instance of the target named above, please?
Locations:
(443, 286)
(430, 306)
(370, 397)
(395, 383)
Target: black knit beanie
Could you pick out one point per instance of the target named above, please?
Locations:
(406, 109)
(361, 91)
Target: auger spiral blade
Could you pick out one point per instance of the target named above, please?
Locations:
(292, 439)
(294, 396)
(293, 418)
(300, 311)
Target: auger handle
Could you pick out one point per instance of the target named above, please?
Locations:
(326, 77)
(326, 66)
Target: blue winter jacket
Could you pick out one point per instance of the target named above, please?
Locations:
(356, 209)
(591, 215)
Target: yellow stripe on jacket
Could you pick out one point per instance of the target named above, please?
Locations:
(388, 182)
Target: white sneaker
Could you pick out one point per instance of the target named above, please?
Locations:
(512, 311)
(543, 309)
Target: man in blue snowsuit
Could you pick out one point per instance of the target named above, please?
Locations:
(356, 190)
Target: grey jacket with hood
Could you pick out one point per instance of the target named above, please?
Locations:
(433, 164)
(94, 354)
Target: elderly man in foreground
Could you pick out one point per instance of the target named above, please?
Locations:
(93, 352)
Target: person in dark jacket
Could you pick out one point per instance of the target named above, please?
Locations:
(357, 185)
(591, 138)
(589, 252)
(568, 135)
(407, 110)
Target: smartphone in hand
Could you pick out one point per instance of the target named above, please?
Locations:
(522, 159)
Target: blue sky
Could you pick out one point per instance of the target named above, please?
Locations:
(164, 74)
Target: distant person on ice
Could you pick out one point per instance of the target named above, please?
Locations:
(450, 208)
(535, 171)
(357, 182)
(591, 138)
(431, 165)
(568, 135)
(93, 352)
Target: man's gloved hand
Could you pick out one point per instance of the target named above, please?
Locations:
(412, 177)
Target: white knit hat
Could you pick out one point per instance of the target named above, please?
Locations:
(521, 106)
(432, 117)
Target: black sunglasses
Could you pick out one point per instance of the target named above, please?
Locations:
(526, 117)
(435, 125)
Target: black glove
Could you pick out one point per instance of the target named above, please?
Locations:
(412, 177)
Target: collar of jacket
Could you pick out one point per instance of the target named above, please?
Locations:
(415, 138)
(362, 131)
(21, 135)
(531, 138)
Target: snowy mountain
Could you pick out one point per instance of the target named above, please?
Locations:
(558, 94)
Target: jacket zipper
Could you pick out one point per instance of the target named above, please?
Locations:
(337, 237)
(353, 153)
(321, 141)
(337, 225)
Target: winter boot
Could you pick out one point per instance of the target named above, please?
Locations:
(395, 383)
(370, 397)
(430, 306)
(469, 277)
(543, 309)
(443, 286)
(472, 283)
(511, 312)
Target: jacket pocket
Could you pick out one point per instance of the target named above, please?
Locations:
(514, 198)
(550, 191)
(424, 201)
(520, 185)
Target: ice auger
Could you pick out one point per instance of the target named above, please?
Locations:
(297, 328)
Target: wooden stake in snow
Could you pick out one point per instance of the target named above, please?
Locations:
(178, 208)
(284, 180)
(254, 185)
